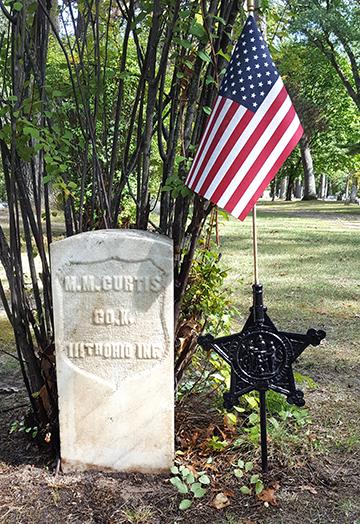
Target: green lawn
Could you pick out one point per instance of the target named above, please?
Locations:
(308, 263)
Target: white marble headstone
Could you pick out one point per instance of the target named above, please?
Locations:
(113, 310)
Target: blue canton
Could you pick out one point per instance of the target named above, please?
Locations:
(251, 72)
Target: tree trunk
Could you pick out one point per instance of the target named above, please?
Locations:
(283, 188)
(289, 189)
(353, 192)
(298, 191)
(309, 176)
(322, 187)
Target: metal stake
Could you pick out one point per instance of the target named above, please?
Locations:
(254, 235)
(264, 455)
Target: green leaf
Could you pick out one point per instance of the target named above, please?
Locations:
(207, 110)
(245, 490)
(174, 470)
(190, 478)
(179, 485)
(17, 6)
(238, 473)
(204, 56)
(198, 30)
(254, 479)
(185, 504)
(241, 463)
(253, 418)
(184, 43)
(224, 55)
(198, 490)
(204, 479)
(249, 466)
(259, 486)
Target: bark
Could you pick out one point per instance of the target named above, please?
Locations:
(353, 193)
(283, 188)
(309, 176)
(322, 187)
(298, 192)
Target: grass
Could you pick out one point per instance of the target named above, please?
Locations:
(309, 266)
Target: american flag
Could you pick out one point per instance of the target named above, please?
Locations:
(250, 133)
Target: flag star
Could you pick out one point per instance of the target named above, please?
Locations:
(242, 36)
(261, 84)
(264, 55)
(252, 39)
(250, 77)
(251, 31)
(242, 88)
(276, 73)
(251, 86)
(245, 51)
(259, 75)
(262, 46)
(234, 92)
(267, 73)
(232, 76)
(269, 82)
(240, 71)
(257, 66)
(249, 22)
(256, 57)
(254, 48)
(266, 64)
(244, 43)
(262, 93)
(244, 97)
(241, 80)
(273, 64)
(261, 38)
(246, 59)
(253, 95)
(255, 104)
(226, 88)
(233, 83)
(237, 55)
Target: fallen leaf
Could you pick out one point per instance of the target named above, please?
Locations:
(310, 489)
(220, 501)
(229, 493)
(268, 495)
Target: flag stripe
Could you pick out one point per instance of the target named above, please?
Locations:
(251, 150)
(286, 152)
(227, 158)
(219, 103)
(224, 147)
(270, 138)
(228, 118)
(268, 165)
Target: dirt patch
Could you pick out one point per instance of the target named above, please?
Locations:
(313, 485)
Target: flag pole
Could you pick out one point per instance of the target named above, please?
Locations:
(259, 310)
(251, 11)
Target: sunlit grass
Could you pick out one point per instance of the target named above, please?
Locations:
(309, 264)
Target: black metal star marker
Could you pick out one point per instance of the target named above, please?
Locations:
(261, 358)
